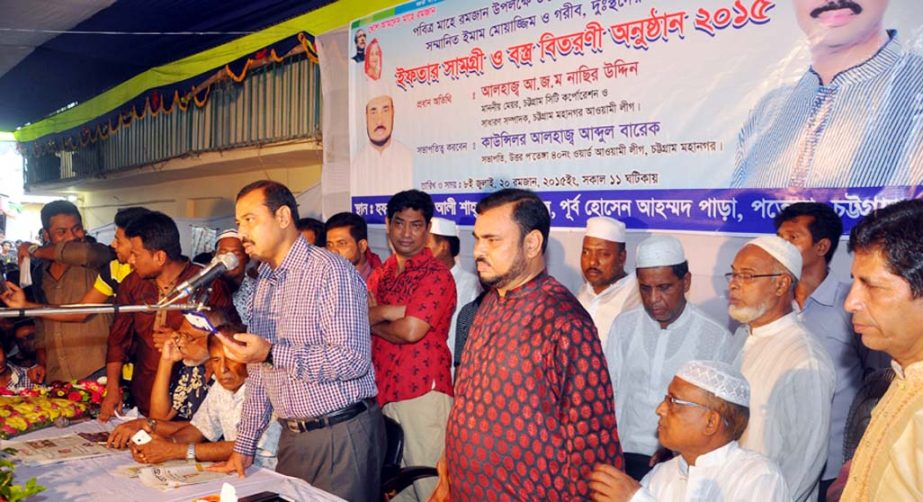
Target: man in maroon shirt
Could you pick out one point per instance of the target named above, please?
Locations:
(159, 266)
(533, 410)
(411, 301)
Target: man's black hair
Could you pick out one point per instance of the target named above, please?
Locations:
(825, 224)
(125, 215)
(275, 195)
(454, 243)
(529, 212)
(358, 228)
(57, 207)
(412, 199)
(896, 231)
(157, 232)
(316, 226)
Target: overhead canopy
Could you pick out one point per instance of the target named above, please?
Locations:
(100, 72)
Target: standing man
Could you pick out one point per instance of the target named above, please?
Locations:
(533, 410)
(411, 301)
(445, 245)
(886, 303)
(649, 344)
(791, 376)
(136, 337)
(815, 230)
(309, 356)
(608, 290)
(71, 350)
(348, 236)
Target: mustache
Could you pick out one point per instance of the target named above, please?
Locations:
(842, 4)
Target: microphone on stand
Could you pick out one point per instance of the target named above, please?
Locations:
(219, 265)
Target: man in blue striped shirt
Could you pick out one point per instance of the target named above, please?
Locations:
(309, 355)
(853, 120)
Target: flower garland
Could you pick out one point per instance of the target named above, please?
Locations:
(38, 407)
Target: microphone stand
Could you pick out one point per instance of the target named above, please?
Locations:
(101, 308)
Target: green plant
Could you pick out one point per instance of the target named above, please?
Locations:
(8, 491)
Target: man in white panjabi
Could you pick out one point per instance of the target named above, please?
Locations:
(648, 344)
(790, 373)
(704, 412)
(608, 290)
(445, 245)
(384, 166)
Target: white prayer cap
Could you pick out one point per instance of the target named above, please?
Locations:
(660, 251)
(605, 228)
(443, 227)
(782, 250)
(719, 378)
(231, 232)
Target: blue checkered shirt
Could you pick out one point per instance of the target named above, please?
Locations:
(314, 309)
(862, 129)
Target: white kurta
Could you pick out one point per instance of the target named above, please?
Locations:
(791, 389)
(384, 172)
(643, 358)
(620, 296)
(467, 288)
(728, 474)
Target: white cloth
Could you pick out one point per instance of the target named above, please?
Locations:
(620, 296)
(467, 288)
(727, 474)
(383, 172)
(791, 389)
(643, 358)
(219, 415)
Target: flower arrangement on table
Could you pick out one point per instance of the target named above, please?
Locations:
(39, 407)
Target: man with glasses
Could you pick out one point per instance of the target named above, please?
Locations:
(792, 377)
(704, 413)
(648, 344)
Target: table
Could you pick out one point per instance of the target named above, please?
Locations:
(93, 480)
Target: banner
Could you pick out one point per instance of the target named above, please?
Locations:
(704, 116)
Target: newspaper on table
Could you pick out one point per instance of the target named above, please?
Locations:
(167, 476)
(59, 449)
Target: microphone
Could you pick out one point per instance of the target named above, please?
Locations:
(219, 265)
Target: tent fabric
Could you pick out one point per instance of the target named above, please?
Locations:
(82, 67)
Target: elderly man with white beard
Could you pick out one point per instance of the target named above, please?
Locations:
(790, 373)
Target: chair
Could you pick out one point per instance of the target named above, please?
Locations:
(395, 478)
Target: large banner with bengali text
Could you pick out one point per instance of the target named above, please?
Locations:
(670, 114)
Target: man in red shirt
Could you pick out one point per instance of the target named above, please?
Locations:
(137, 337)
(411, 301)
(533, 411)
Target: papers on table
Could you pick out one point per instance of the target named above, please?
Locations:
(169, 475)
(54, 450)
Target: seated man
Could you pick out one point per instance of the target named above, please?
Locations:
(217, 418)
(704, 413)
(24, 352)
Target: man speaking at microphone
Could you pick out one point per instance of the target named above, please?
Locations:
(159, 267)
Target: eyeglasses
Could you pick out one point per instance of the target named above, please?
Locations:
(674, 401)
(746, 276)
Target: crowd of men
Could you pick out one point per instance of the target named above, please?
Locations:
(512, 385)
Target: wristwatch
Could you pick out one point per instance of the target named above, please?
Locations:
(152, 424)
(190, 452)
(31, 250)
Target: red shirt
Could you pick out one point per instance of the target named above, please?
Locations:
(131, 336)
(533, 411)
(426, 288)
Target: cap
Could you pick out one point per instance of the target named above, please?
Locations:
(719, 378)
(660, 251)
(782, 250)
(605, 228)
(443, 227)
(231, 232)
